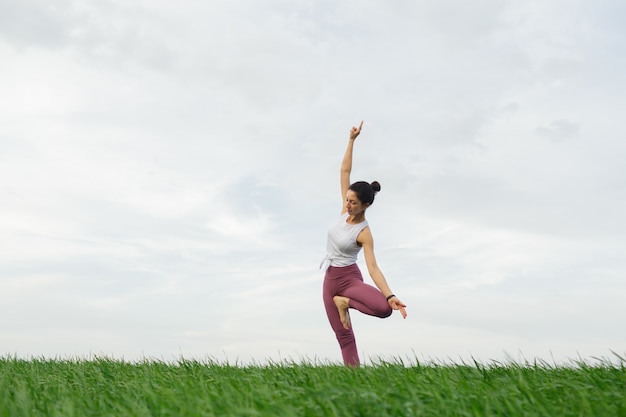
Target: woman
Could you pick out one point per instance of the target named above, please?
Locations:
(343, 283)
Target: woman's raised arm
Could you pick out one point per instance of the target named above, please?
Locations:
(346, 165)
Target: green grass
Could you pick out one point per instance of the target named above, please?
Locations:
(105, 387)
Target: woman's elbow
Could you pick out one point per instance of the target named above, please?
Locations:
(374, 271)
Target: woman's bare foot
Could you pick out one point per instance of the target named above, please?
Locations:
(342, 306)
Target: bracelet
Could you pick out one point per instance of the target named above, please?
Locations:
(390, 297)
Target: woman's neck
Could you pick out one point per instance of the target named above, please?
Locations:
(358, 218)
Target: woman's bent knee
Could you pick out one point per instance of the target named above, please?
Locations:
(385, 312)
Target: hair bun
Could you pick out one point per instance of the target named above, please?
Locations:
(376, 186)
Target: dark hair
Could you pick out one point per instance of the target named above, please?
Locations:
(365, 191)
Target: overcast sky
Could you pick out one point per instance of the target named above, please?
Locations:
(168, 172)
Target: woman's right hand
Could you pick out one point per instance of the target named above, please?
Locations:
(354, 132)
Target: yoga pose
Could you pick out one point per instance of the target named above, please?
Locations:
(343, 283)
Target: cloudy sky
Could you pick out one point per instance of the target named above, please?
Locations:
(168, 171)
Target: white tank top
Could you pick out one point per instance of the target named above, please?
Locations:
(341, 246)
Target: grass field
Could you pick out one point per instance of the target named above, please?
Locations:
(105, 387)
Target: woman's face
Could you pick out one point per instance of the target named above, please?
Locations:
(353, 204)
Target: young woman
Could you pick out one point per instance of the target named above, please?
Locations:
(343, 283)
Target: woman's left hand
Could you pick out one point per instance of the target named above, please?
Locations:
(396, 304)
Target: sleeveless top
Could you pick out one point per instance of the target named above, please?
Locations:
(341, 246)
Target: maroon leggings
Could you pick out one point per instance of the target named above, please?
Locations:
(347, 281)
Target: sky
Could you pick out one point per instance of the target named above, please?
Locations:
(168, 172)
